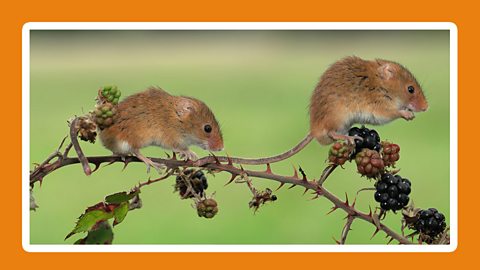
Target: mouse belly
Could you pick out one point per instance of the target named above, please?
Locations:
(366, 118)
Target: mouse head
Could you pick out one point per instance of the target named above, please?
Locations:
(199, 124)
(402, 86)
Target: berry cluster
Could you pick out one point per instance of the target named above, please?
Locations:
(103, 115)
(340, 152)
(196, 179)
(369, 163)
(370, 139)
(430, 223)
(111, 94)
(261, 198)
(392, 192)
(207, 208)
(390, 153)
(87, 130)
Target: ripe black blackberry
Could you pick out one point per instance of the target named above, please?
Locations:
(371, 139)
(430, 223)
(392, 192)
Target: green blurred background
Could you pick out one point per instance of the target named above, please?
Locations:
(258, 83)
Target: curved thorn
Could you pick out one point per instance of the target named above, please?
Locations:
(281, 185)
(269, 169)
(332, 210)
(231, 179)
(375, 233)
(97, 165)
(292, 186)
(304, 176)
(295, 172)
(346, 199)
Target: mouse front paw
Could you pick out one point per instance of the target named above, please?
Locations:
(407, 115)
(187, 155)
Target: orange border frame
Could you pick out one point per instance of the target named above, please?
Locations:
(17, 13)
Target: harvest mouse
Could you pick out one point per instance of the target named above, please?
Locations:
(154, 117)
(356, 91)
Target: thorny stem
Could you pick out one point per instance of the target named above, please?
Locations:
(74, 140)
(346, 229)
(214, 163)
(319, 190)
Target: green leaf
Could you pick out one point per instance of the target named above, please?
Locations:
(88, 220)
(120, 213)
(121, 197)
(101, 234)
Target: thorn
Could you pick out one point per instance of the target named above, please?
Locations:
(216, 159)
(241, 167)
(168, 155)
(304, 176)
(97, 165)
(389, 241)
(229, 160)
(109, 163)
(370, 211)
(279, 187)
(292, 186)
(174, 156)
(295, 172)
(269, 169)
(346, 199)
(354, 201)
(332, 210)
(306, 189)
(336, 241)
(40, 180)
(125, 164)
(231, 179)
(375, 233)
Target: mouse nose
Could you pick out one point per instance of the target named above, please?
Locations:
(216, 145)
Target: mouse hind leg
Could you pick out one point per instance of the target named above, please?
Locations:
(350, 139)
(159, 167)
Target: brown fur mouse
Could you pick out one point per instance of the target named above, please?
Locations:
(154, 117)
(356, 91)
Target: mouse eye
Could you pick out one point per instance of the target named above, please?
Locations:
(411, 89)
(207, 128)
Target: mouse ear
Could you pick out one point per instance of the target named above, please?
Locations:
(386, 71)
(184, 107)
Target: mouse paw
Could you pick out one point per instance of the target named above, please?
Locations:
(159, 167)
(187, 155)
(407, 115)
(349, 139)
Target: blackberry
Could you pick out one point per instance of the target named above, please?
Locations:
(198, 182)
(369, 163)
(430, 224)
(340, 152)
(392, 192)
(111, 94)
(103, 115)
(207, 208)
(390, 153)
(371, 139)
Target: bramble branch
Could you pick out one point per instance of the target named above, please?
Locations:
(48, 167)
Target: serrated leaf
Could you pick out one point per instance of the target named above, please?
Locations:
(101, 234)
(120, 213)
(88, 220)
(121, 197)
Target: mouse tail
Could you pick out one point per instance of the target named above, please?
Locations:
(266, 160)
